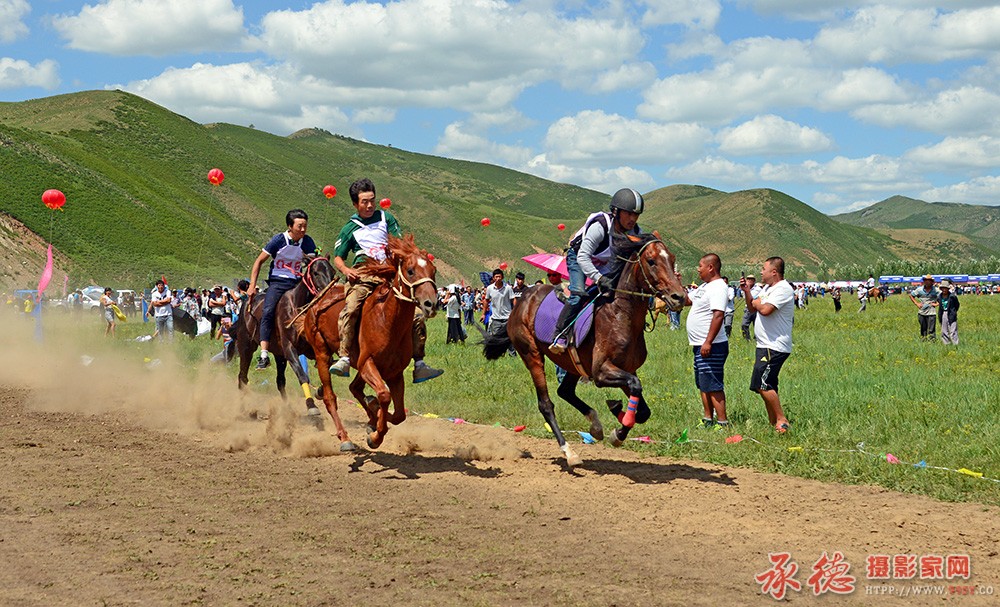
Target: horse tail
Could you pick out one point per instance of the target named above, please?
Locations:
(494, 346)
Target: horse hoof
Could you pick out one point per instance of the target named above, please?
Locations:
(347, 446)
(596, 429)
(614, 440)
(313, 411)
(373, 443)
(572, 459)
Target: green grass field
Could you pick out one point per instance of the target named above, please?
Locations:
(852, 378)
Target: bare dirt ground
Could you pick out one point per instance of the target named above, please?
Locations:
(126, 485)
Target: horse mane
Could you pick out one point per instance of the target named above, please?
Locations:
(623, 247)
(396, 248)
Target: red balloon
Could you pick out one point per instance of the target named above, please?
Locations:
(215, 176)
(330, 191)
(503, 265)
(561, 227)
(54, 199)
(485, 221)
(430, 256)
(385, 203)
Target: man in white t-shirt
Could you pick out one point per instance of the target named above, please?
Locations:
(775, 307)
(862, 297)
(163, 312)
(708, 341)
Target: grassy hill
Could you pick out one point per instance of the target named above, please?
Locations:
(979, 224)
(139, 204)
(748, 226)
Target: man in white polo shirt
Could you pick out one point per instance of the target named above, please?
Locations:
(708, 341)
(775, 308)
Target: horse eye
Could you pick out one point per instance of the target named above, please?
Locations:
(410, 271)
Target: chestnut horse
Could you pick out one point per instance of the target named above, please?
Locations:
(613, 350)
(317, 277)
(385, 345)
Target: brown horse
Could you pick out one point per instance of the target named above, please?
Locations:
(876, 294)
(614, 349)
(385, 344)
(317, 277)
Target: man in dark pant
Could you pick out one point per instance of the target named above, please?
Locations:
(749, 314)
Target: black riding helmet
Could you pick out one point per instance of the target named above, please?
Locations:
(627, 199)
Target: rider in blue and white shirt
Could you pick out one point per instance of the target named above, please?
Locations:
(286, 252)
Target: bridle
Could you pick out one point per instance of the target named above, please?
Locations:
(307, 278)
(398, 292)
(646, 276)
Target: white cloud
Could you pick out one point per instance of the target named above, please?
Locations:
(873, 173)
(958, 153)
(715, 169)
(480, 53)
(966, 110)
(850, 208)
(828, 9)
(16, 73)
(593, 138)
(458, 142)
(882, 34)
(374, 115)
(602, 180)
(11, 25)
(981, 190)
(772, 134)
(765, 75)
(628, 76)
(153, 27)
(698, 14)
(243, 93)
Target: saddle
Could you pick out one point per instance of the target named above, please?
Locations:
(548, 315)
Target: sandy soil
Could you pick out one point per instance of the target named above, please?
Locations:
(126, 485)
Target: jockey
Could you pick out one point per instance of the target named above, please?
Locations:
(286, 251)
(366, 235)
(590, 251)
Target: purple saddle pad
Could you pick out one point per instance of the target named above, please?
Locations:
(548, 313)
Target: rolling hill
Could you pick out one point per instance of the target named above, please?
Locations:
(942, 221)
(139, 204)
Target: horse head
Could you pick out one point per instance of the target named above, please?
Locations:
(415, 273)
(319, 273)
(652, 268)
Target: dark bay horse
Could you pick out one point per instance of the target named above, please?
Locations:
(613, 350)
(385, 345)
(316, 278)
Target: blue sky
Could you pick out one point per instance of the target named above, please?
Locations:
(839, 103)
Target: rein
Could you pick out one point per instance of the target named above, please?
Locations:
(307, 276)
(398, 292)
(645, 274)
(311, 285)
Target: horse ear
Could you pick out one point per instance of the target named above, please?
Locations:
(633, 238)
(657, 234)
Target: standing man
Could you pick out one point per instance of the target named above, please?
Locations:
(217, 301)
(286, 252)
(499, 301)
(775, 309)
(727, 323)
(163, 310)
(926, 297)
(749, 314)
(862, 297)
(590, 251)
(366, 235)
(518, 287)
(948, 314)
(708, 341)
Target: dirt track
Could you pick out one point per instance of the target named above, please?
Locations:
(133, 499)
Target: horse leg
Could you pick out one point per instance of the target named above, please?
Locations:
(567, 392)
(303, 376)
(373, 378)
(610, 376)
(279, 379)
(330, 399)
(396, 389)
(368, 403)
(536, 366)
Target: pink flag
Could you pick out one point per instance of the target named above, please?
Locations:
(43, 282)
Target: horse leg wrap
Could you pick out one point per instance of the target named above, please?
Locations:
(307, 390)
(628, 420)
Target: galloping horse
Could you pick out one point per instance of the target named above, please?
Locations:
(316, 278)
(384, 345)
(876, 294)
(612, 351)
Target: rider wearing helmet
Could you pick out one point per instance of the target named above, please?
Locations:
(590, 252)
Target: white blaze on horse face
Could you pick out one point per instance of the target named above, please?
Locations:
(422, 262)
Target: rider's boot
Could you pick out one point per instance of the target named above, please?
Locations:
(422, 372)
(562, 334)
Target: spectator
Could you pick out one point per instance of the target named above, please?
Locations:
(217, 301)
(163, 312)
(836, 299)
(468, 304)
(727, 323)
(228, 346)
(947, 313)
(518, 287)
(708, 342)
(749, 314)
(773, 332)
(862, 297)
(453, 311)
(499, 301)
(926, 297)
(108, 302)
